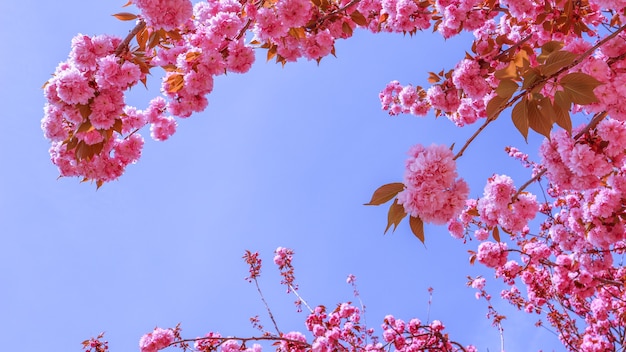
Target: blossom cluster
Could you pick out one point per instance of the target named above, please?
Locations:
(337, 330)
(433, 192)
(544, 60)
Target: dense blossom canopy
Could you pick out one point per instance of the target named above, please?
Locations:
(557, 67)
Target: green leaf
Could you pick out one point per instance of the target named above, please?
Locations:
(579, 87)
(385, 193)
(395, 215)
(417, 227)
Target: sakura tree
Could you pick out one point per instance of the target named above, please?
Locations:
(556, 67)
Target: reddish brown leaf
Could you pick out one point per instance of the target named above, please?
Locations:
(117, 126)
(358, 18)
(579, 87)
(125, 16)
(506, 88)
(556, 61)
(85, 127)
(509, 72)
(85, 110)
(561, 111)
(433, 77)
(548, 48)
(417, 227)
(519, 115)
(496, 234)
(540, 115)
(494, 107)
(345, 27)
(385, 193)
(395, 215)
(271, 52)
(174, 83)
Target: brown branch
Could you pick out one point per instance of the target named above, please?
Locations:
(242, 339)
(124, 44)
(596, 119)
(341, 9)
(513, 100)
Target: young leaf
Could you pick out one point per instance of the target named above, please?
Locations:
(548, 48)
(345, 27)
(506, 88)
(85, 127)
(395, 215)
(519, 115)
(496, 234)
(358, 18)
(417, 227)
(272, 52)
(509, 72)
(175, 83)
(579, 87)
(125, 16)
(540, 116)
(433, 77)
(556, 61)
(494, 106)
(385, 193)
(530, 78)
(561, 111)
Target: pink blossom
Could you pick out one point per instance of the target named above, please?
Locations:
(72, 86)
(492, 254)
(240, 57)
(230, 346)
(467, 76)
(445, 100)
(433, 192)
(53, 125)
(293, 13)
(156, 340)
(106, 108)
(163, 128)
(166, 14)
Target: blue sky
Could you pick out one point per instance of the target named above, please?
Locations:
(282, 157)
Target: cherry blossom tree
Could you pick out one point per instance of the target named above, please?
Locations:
(556, 67)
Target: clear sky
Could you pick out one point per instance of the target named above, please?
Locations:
(282, 157)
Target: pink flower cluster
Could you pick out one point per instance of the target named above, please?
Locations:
(166, 14)
(156, 340)
(338, 330)
(492, 254)
(497, 206)
(433, 192)
(85, 106)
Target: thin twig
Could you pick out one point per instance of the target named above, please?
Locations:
(269, 311)
(295, 292)
(596, 119)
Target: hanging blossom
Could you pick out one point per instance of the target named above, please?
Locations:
(433, 192)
